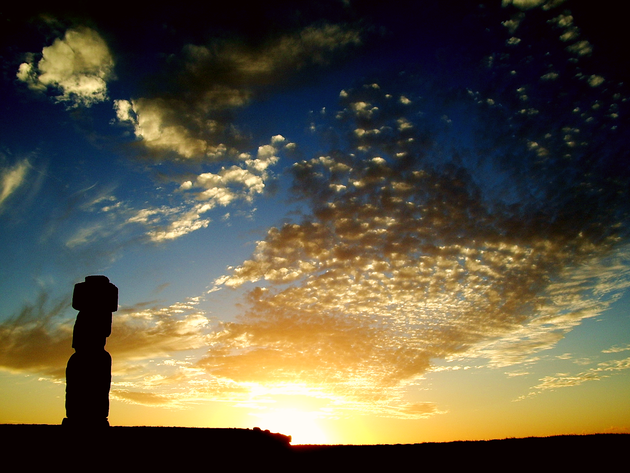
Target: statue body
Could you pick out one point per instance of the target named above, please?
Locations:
(89, 369)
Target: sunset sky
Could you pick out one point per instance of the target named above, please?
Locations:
(346, 221)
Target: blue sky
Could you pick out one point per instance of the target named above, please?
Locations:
(349, 210)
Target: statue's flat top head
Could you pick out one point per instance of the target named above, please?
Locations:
(96, 293)
(97, 279)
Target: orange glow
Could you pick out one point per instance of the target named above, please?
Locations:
(303, 426)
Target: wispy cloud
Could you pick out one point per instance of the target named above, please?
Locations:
(191, 200)
(603, 370)
(617, 349)
(577, 293)
(11, 178)
(35, 339)
(38, 339)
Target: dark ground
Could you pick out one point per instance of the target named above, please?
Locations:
(34, 447)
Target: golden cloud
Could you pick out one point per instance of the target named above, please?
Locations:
(405, 259)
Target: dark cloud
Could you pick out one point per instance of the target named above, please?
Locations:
(191, 115)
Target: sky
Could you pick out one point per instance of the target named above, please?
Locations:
(351, 222)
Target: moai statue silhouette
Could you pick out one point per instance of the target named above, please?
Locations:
(89, 369)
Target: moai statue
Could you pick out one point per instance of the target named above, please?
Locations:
(89, 369)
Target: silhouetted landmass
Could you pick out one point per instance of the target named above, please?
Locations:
(117, 449)
(601, 452)
(173, 448)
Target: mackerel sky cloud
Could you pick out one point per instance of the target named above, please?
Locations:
(332, 208)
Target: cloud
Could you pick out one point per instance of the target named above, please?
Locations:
(12, 178)
(190, 120)
(529, 4)
(107, 218)
(34, 340)
(157, 124)
(186, 223)
(98, 219)
(191, 117)
(413, 252)
(38, 339)
(143, 398)
(576, 294)
(74, 68)
(603, 370)
(151, 330)
(416, 410)
(152, 346)
(617, 349)
(240, 182)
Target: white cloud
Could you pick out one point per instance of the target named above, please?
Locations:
(242, 181)
(184, 223)
(88, 234)
(77, 67)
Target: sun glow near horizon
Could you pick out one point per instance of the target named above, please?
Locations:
(303, 426)
(291, 409)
